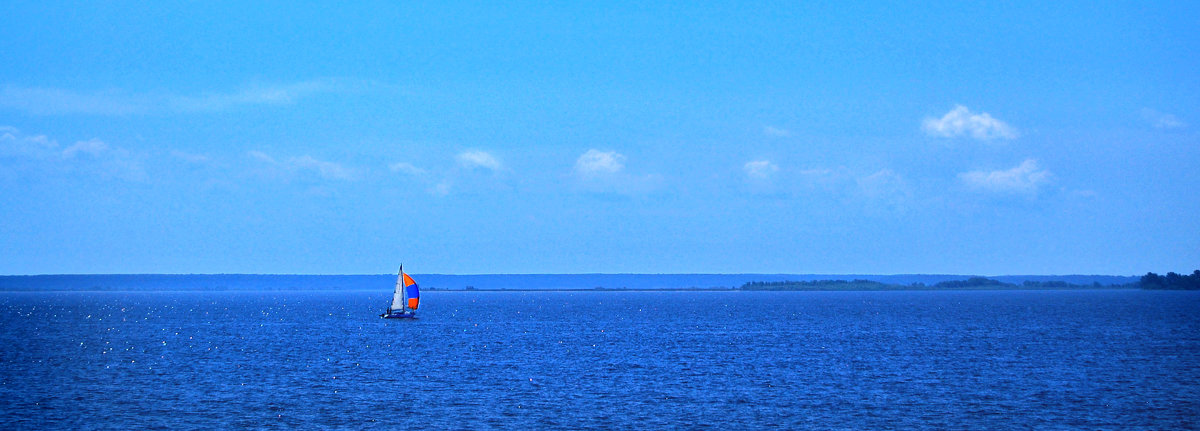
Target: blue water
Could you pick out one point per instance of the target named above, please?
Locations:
(623, 360)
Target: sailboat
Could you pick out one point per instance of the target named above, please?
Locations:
(405, 298)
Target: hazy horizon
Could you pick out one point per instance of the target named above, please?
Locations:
(589, 273)
(385, 282)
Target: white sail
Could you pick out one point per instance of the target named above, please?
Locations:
(399, 297)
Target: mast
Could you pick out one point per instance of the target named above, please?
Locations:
(403, 291)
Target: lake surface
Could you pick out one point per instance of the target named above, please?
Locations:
(605, 360)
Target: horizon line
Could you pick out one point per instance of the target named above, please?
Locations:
(589, 273)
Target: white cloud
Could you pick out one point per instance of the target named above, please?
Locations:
(1162, 120)
(760, 169)
(882, 177)
(406, 168)
(472, 171)
(960, 121)
(776, 132)
(434, 185)
(15, 143)
(255, 95)
(884, 184)
(603, 172)
(595, 162)
(1024, 178)
(324, 169)
(102, 159)
(261, 156)
(816, 172)
(61, 101)
(882, 191)
(478, 159)
(825, 178)
(93, 147)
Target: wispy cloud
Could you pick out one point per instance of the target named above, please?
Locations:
(1162, 120)
(434, 185)
(595, 162)
(437, 185)
(262, 157)
(63, 101)
(816, 172)
(92, 156)
(255, 95)
(322, 168)
(13, 143)
(472, 171)
(960, 122)
(93, 147)
(880, 191)
(326, 169)
(476, 159)
(1026, 177)
(190, 157)
(776, 132)
(407, 169)
(885, 185)
(760, 169)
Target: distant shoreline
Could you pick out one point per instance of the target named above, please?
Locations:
(561, 282)
(427, 291)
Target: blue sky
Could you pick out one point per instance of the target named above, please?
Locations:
(779, 137)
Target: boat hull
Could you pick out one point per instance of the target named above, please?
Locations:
(399, 315)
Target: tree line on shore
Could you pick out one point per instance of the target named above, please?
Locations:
(1152, 281)
(1171, 281)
